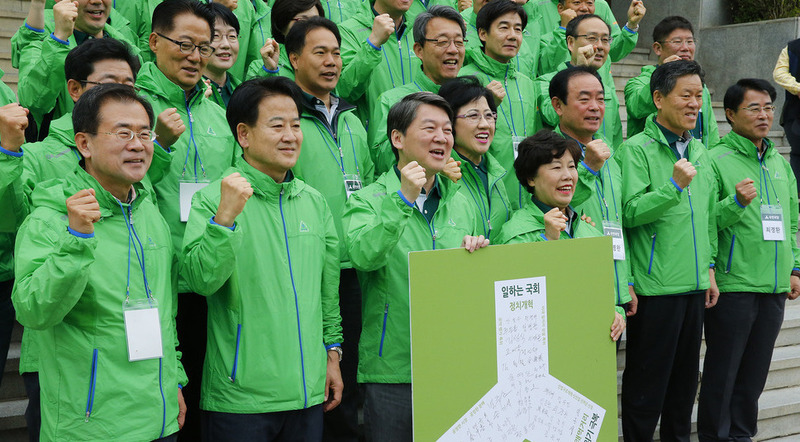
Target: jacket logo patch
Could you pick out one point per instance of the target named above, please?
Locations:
(451, 222)
(303, 227)
(211, 131)
(777, 176)
(151, 242)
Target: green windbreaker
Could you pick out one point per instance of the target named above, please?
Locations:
(611, 128)
(328, 153)
(368, 72)
(493, 206)
(272, 308)
(339, 11)
(7, 96)
(72, 289)
(639, 105)
(516, 116)
(381, 230)
(526, 60)
(745, 261)
(201, 153)
(672, 234)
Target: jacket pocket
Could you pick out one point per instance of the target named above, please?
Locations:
(92, 385)
(730, 255)
(652, 254)
(383, 330)
(232, 377)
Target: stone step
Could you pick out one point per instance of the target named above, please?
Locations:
(12, 415)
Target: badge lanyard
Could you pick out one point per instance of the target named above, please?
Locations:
(197, 159)
(484, 211)
(351, 183)
(771, 214)
(133, 239)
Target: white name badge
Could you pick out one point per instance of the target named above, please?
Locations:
(515, 140)
(142, 329)
(352, 182)
(772, 222)
(187, 191)
(614, 230)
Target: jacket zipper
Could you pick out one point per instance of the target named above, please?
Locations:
(163, 399)
(730, 255)
(296, 306)
(766, 184)
(236, 353)
(694, 239)
(92, 385)
(652, 252)
(383, 331)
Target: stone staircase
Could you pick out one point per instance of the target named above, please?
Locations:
(12, 15)
(779, 406)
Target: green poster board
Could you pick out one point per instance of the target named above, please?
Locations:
(453, 326)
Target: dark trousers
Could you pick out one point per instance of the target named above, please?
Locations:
(792, 130)
(33, 413)
(191, 324)
(740, 334)
(6, 322)
(387, 412)
(341, 423)
(662, 359)
(283, 426)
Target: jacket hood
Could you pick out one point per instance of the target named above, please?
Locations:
(62, 132)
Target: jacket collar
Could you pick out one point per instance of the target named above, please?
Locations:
(155, 83)
(446, 187)
(425, 84)
(109, 205)
(264, 185)
(747, 147)
(492, 67)
(494, 169)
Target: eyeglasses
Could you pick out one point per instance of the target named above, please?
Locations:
(442, 43)
(127, 135)
(475, 117)
(232, 37)
(187, 47)
(678, 42)
(594, 38)
(755, 110)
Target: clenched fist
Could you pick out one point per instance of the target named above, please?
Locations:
(683, 172)
(585, 55)
(169, 127)
(555, 222)
(270, 54)
(412, 178)
(745, 191)
(382, 28)
(497, 89)
(234, 193)
(597, 152)
(65, 12)
(566, 16)
(13, 122)
(83, 211)
(636, 12)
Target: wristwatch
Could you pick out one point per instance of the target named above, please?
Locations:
(337, 350)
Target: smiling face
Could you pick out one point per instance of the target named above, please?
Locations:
(554, 183)
(752, 125)
(117, 164)
(92, 16)
(392, 7)
(473, 138)
(581, 7)
(581, 116)
(318, 66)
(272, 145)
(676, 43)
(428, 139)
(441, 64)
(226, 43)
(504, 37)
(677, 111)
(185, 70)
(591, 29)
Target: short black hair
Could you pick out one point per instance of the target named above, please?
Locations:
(403, 113)
(572, 26)
(461, 91)
(438, 11)
(670, 24)
(283, 11)
(80, 61)
(244, 103)
(86, 114)
(666, 75)
(559, 84)
(541, 149)
(226, 15)
(490, 12)
(734, 96)
(296, 37)
(164, 14)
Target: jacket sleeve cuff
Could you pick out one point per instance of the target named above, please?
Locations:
(373, 46)
(79, 234)
(629, 29)
(403, 198)
(11, 152)
(544, 238)
(165, 149)
(270, 71)
(672, 180)
(736, 200)
(331, 346)
(232, 228)
(33, 29)
(592, 171)
(63, 42)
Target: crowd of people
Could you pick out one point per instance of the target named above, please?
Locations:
(208, 207)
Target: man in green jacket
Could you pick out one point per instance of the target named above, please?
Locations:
(85, 265)
(668, 200)
(673, 39)
(181, 41)
(578, 98)
(406, 209)
(42, 86)
(274, 329)
(588, 40)
(500, 26)
(335, 160)
(439, 44)
(759, 264)
(377, 53)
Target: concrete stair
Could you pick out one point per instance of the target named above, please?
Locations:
(12, 15)
(12, 395)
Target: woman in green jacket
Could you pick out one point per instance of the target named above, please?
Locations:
(546, 166)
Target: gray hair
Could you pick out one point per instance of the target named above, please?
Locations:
(441, 11)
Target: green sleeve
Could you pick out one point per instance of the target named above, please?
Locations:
(711, 130)
(331, 319)
(713, 229)
(548, 114)
(12, 198)
(21, 39)
(534, 236)
(638, 99)
(41, 75)
(159, 167)
(359, 59)
(622, 43)
(373, 232)
(52, 270)
(640, 206)
(257, 69)
(377, 138)
(209, 250)
(553, 51)
(181, 373)
(585, 187)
